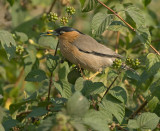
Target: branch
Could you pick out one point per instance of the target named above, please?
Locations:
(50, 9)
(50, 85)
(111, 84)
(117, 15)
(138, 110)
(124, 22)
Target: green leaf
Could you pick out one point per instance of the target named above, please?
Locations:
(152, 59)
(1, 127)
(8, 124)
(152, 104)
(145, 121)
(88, 5)
(73, 75)
(63, 71)
(96, 120)
(8, 43)
(136, 15)
(100, 22)
(11, 2)
(143, 35)
(117, 26)
(67, 89)
(88, 87)
(77, 105)
(48, 41)
(52, 62)
(37, 112)
(154, 89)
(22, 36)
(146, 2)
(132, 75)
(119, 93)
(79, 126)
(3, 72)
(114, 106)
(133, 124)
(36, 75)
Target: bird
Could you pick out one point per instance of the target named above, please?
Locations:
(83, 50)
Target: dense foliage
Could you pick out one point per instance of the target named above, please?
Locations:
(115, 99)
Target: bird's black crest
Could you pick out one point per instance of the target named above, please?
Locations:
(66, 29)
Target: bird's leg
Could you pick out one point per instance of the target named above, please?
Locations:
(82, 72)
(92, 76)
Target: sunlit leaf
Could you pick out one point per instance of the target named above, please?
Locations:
(96, 120)
(77, 105)
(100, 22)
(144, 121)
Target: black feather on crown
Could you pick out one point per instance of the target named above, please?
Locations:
(66, 29)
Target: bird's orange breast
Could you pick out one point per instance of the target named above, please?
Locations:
(68, 50)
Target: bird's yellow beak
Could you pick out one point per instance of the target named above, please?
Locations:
(49, 33)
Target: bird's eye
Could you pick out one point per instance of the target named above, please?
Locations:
(61, 32)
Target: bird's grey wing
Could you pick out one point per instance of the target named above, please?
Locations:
(87, 44)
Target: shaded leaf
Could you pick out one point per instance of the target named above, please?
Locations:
(88, 87)
(146, 2)
(8, 124)
(11, 2)
(36, 76)
(119, 93)
(52, 62)
(143, 35)
(77, 105)
(8, 43)
(39, 111)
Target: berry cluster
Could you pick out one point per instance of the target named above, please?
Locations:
(64, 20)
(19, 49)
(117, 63)
(70, 10)
(133, 62)
(52, 17)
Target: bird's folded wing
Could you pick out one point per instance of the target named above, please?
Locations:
(87, 44)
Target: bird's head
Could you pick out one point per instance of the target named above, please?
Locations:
(62, 31)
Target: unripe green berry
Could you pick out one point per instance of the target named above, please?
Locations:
(52, 17)
(70, 10)
(64, 20)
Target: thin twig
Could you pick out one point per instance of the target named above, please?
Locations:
(124, 22)
(51, 7)
(138, 110)
(50, 85)
(110, 85)
(158, 40)
(116, 15)
(117, 41)
(50, 80)
(154, 49)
